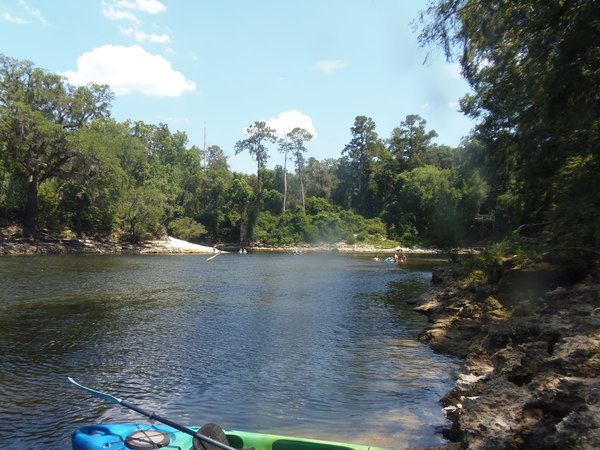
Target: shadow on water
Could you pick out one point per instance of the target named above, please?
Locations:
(320, 346)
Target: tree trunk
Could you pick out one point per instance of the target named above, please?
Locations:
(302, 190)
(284, 181)
(31, 207)
(242, 233)
(259, 179)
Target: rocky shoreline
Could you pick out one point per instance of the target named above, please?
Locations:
(18, 247)
(530, 338)
(57, 246)
(342, 247)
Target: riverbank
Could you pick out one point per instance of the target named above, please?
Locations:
(342, 247)
(12, 245)
(171, 245)
(530, 337)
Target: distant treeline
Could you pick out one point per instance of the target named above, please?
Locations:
(533, 157)
(65, 164)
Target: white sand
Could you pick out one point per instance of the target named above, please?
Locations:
(177, 245)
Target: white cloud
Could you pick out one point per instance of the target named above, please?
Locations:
(112, 13)
(453, 105)
(287, 121)
(330, 66)
(141, 36)
(147, 6)
(122, 9)
(10, 18)
(125, 10)
(37, 13)
(34, 12)
(129, 69)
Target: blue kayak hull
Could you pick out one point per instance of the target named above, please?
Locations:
(113, 437)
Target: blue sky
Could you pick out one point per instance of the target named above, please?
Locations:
(225, 64)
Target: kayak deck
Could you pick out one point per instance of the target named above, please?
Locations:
(114, 436)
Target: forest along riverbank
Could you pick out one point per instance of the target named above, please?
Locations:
(530, 336)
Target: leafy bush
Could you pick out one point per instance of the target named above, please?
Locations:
(140, 213)
(318, 205)
(286, 229)
(186, 228)
(272, 200)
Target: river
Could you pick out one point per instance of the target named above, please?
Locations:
(317, 345)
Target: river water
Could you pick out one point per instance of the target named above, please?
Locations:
(317, 345)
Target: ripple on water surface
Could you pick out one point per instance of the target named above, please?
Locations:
(316, 345)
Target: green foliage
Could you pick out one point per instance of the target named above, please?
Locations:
(140, 213)
(410, 143)
(12, 193)
(293, 143)
(286, 229)
(591, 366)
(135, 180)
(49, 207)
(209, 202)
(327, 227)
(476, 277)
(533, 66)
(240, 195)
(258, 133)
(317, 205)
(329, 224)
(363, 150)
(404, 230)
(39, 112)
(272, 200)
(321, 178)
(372, 228)
(576, 212)
(437, 203)
(214, 157)
(492, 303)
(186, 228)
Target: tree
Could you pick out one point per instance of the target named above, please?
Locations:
(240, 196)
(285, 146)
(212, 202)
(362, 149)
(258, 133)
(293, 142)
(320, 178)
(95, 179)
(410, 141)
(141, 212)
(533, 65)
(12, 196)
(215, 157)
(39, 112)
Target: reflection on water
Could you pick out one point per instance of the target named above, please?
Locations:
(315, 345)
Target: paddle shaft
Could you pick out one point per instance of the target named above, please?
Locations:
(150, 415)
(175, 425)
